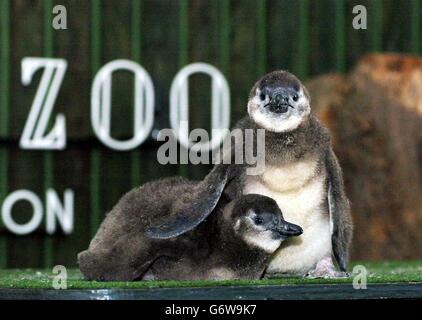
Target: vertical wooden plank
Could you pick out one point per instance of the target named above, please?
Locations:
(4, 115)
(302, 62)
(72, 165)
(162, 63)
(224, 40)
(183, 33)
(224, 54)
(4, 163)
(183, 54)
(95, 161)
(243, 64)
(136, 56)
(4, 81)
(322, 37)
(340, 35)
(25, 166)
(118, 168)
(375, 14)
(48, 161)
(280, 31)
(261, 27)
(394, 26)
(204, 40)
(73, 45)
(415, 17)
(356, 40)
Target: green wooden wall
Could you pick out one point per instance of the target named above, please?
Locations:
(243, 38)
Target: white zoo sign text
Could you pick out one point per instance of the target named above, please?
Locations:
(35, 136)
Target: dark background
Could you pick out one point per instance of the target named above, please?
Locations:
(243, 39)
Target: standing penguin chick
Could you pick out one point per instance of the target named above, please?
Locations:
(301, 173)
(235, 242)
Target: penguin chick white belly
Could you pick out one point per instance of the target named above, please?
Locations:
(301, 194)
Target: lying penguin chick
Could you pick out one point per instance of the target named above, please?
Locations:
(242, 238)
(128, 242)
(121, 250)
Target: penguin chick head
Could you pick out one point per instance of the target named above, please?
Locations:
(258, 221)
(279, 102)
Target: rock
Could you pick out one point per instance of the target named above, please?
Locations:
(375, 116)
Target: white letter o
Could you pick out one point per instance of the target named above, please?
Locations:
(101, 104)
(6, 211)
(220, 105)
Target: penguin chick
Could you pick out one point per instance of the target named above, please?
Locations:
(128, 242)
(242, 238)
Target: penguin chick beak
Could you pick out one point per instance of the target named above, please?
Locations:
(287, 229)
(281, 101)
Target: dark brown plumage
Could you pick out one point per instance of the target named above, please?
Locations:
(214, 249)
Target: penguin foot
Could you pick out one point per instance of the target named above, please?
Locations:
(325, 269)
(332, 274)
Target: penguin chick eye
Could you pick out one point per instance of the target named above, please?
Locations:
(295, 97)
(258, 220)
(262, 97)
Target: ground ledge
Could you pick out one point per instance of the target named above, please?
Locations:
(378, 272)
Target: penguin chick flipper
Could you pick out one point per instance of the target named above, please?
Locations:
(339, 210)
(194, 207)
